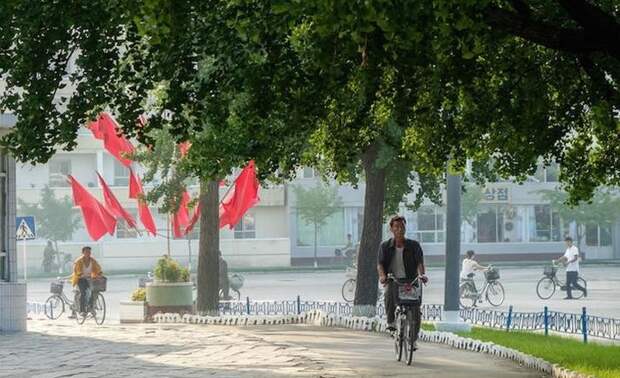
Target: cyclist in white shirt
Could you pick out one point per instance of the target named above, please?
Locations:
(571, 260)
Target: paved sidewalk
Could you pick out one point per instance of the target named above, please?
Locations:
(64, 349)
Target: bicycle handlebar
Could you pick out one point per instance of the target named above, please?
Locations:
(391, 277)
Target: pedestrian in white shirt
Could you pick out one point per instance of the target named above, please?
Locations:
(470, 266)
(571, 261)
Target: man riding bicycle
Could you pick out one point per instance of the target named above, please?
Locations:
(405, 260)
(84, 268)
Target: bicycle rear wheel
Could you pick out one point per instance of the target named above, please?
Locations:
(495, 293)
(348, 290)
(466, 297)
(80, 317)
(99, 309)
(54, 307)
(545, 288)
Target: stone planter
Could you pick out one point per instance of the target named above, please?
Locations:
(174, 297)
(132, 311)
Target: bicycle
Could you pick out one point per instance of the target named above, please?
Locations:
(95, 302)
(349, 287)
(492, 291)
(235, 282)
(547, 285)
(409, 298)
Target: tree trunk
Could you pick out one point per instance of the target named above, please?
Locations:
(367, 278)
(316, 231)
(208, 250)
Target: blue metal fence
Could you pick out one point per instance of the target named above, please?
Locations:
(561, 322)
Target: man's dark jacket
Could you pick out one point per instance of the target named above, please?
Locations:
(412, 256)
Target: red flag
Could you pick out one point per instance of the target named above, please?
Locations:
(146, 217)
(194, 219)
(135, 191)
(107, 128)
(180, 220)
(97, 219)
(184, 148)
(242, 197)
(135, 186)
(113, 205)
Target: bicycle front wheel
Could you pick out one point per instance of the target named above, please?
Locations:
(399, 339)
(410, 337)
(545, 288)
(495, 293)
(99, 309)
(54, 307)
(348, 290)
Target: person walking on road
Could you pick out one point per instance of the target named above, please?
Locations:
(571, 261)
(470, 266)
(405, 260)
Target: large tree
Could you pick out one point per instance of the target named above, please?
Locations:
(376, 89)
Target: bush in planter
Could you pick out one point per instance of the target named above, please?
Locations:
(171, 290)
(139, 295)
(169, 270)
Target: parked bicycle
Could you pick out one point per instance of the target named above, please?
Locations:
(409, 297)
(492, 290)
(235, 282)
(58, 302)
(349, 287)
(547, 285)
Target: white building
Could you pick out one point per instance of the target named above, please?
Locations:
(513, 221)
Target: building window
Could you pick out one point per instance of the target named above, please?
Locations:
(123, 231)
(598, 236)
(487, 221)
(430, 225)
(246, 228)
(121, 174)
(332, 233)
(59, 170)
(545, 225)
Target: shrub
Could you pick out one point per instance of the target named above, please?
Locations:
(169, 270)
(139, 295)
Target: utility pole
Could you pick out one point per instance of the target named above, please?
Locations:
(450, 317)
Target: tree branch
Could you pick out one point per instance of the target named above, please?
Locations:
(576, 41)
(591, 17)
(598, 77)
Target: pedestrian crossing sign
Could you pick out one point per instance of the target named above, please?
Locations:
(25, 228)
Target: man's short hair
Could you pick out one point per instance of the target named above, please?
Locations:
(86, 248)
(470, 253)
(568, 238)
(397, 218)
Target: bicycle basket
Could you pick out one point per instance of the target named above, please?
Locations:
(56, 287)
(99, 284)
(492, 274)
(409, 293)
(550, 271)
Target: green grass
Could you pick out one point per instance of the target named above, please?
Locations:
(599, 360)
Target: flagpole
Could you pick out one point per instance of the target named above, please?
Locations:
(168, 232)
